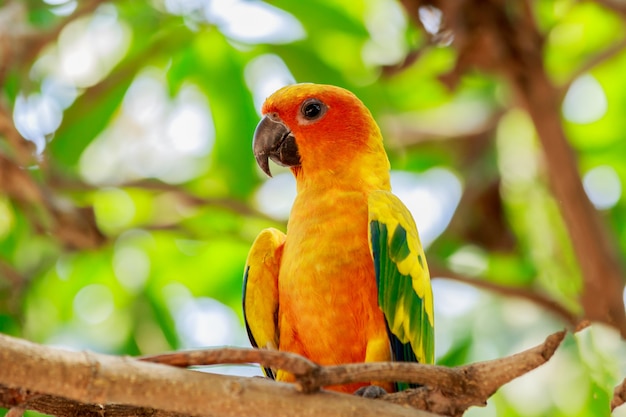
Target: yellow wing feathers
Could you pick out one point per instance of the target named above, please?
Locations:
(260, 288)
(404, 291)
(389, 209)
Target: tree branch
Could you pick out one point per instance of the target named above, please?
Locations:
(92, 378)
(59, 406)
(44, 378)
(185, 197)
(509, 291)
(74, 226)
(448, 391)
(616, 6)
(483, 379)
(602, 275)
(292, 363)
(619, 395)
(593, 62)
(20, 43)
(507, 42)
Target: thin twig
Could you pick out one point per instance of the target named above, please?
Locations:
(483, 380)
(292, 363)
(593, 62)
(619, 395)
(509, 291)
(409, 59)
(34, 41)
(616, 6)
(183, 195)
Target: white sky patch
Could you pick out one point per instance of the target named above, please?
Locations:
(245, 21)
(264, 75)
(585, 101)
(530, 394)
(206, 322)
(93, 304)
(431, 197)
(454, 299)
(36, 117)
(184, 7)
(190, 126)
(432, 18)
(62, 7)
(61, 92)
(470, 115)
(86, 51)
(253, 21)
(201, 321)
(603, 186)
(90, 47)
(276, 195)
(470, 260)
(154, 136)
(131, 266)
(386, 23)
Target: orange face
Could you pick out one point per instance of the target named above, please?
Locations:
(314, 127)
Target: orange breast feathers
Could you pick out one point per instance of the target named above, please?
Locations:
(327, 290)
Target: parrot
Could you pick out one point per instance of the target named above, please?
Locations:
(348, 282)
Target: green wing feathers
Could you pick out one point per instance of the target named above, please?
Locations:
(404, 291)
(260, 290)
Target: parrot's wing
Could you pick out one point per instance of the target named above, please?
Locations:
(404, 291)
(260, 290)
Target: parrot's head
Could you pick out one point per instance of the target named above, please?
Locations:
(315, 128)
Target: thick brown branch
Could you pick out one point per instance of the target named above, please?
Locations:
(91, 378)
(448, 391)
(58, 406)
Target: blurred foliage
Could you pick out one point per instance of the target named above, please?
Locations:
(145, 112)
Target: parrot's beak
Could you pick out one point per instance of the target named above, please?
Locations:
(273, 139)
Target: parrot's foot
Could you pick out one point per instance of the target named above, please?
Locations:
(370, 391)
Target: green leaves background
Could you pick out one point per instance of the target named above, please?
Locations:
(178, 213)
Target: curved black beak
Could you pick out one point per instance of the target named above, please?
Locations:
(273, 139)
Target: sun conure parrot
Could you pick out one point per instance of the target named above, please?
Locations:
(349, 281)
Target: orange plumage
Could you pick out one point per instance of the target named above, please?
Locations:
(324, 303)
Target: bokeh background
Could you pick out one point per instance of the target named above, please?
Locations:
(129, 195)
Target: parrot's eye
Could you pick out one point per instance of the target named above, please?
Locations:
(313, 109)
